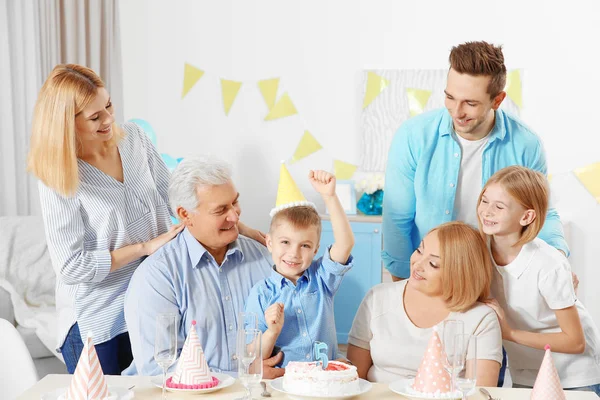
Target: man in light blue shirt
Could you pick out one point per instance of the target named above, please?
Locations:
(439, 161)
(204, 274)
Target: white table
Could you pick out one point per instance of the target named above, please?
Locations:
(144, 389)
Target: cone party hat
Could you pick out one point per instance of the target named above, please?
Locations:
(547, 384)
(88, 381)
(288, 194)
(431, 376)
(192, 370)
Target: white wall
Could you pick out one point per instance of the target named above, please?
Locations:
(319, 48)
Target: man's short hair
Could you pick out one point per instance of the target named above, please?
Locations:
(301, 217)
(480, 58)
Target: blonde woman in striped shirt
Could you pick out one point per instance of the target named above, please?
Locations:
(103, 190)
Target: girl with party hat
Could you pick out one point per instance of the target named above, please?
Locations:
(532, 285)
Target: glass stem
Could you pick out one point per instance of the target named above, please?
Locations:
(164, 395)
(248, 393)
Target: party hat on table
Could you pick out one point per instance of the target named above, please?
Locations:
(547, 384)
(88, 381)
(288, 194)
(431, 375)
(192, 368)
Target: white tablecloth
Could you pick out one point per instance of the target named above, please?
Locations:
(144, 389)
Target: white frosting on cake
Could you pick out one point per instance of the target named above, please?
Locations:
(309, 378)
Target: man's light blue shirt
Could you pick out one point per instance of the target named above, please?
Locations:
(422, 174)
(182, 277)
(308, 307)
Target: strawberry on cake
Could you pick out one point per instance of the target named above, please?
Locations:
(192, 370)
(309, 378)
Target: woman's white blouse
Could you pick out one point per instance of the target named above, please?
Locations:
(102, 216)
(397, 345)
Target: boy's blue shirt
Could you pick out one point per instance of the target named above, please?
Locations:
(308, 307)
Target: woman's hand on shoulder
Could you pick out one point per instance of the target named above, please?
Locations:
(152, 245)
(254, 234)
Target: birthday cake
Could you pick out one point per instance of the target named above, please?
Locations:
(192, 371)
(309, 378)
(432, 380)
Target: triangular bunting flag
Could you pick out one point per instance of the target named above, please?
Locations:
(308, 145)
(375, 85)
(590, 178)
(191, 75)
(268, 89)
(230, 90)
(283, 108)
(513, 87)
(88, 381)
(417, 99)
(343, 170)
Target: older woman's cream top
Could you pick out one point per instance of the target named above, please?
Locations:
(397, 345)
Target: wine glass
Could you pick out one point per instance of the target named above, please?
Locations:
(249, 352)
(451, 328)
(247, 320)
(467, 376)
(165, 343)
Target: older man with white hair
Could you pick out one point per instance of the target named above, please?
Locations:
(203, 274)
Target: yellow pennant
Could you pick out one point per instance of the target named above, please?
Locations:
(191, 75)
(513, 87)
(590, 178)
(343, 170)
(417, 99)
(283, 108)
(308, 145)
(268, 88)
(549, 178)
(375, 85)
(288, 191)
(230, 90)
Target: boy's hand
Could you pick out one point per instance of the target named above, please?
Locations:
(323, 182)
(274, 317)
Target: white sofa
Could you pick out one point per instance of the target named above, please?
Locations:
(27, 289)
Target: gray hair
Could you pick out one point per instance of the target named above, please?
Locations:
(193, 173)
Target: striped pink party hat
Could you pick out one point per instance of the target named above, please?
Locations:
(547, 384)
(192, 368)
(88, 381)
(431, 376)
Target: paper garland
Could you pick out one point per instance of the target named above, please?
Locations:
(191, 75)
(375, 85)
(513, 87)
(417, 99)
(308, 145)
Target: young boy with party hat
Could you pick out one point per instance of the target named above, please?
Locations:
(294, 304)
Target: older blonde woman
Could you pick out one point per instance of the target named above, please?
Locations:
(103, 191)
(450, 276)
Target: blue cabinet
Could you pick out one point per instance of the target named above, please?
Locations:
(367, 271)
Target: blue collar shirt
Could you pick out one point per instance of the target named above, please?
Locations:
(308, 307)
(182, 277)
(422, 173)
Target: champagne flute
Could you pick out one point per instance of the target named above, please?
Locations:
(247, 320)
(250, 366)
(467, 376)
(165, 343)
(451, 328)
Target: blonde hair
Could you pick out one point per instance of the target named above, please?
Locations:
(466, 265)
(300, 217)
(530, 189)
(54, 144)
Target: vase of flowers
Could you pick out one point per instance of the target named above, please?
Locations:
(371, 201)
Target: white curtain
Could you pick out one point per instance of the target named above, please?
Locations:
(36, 35)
